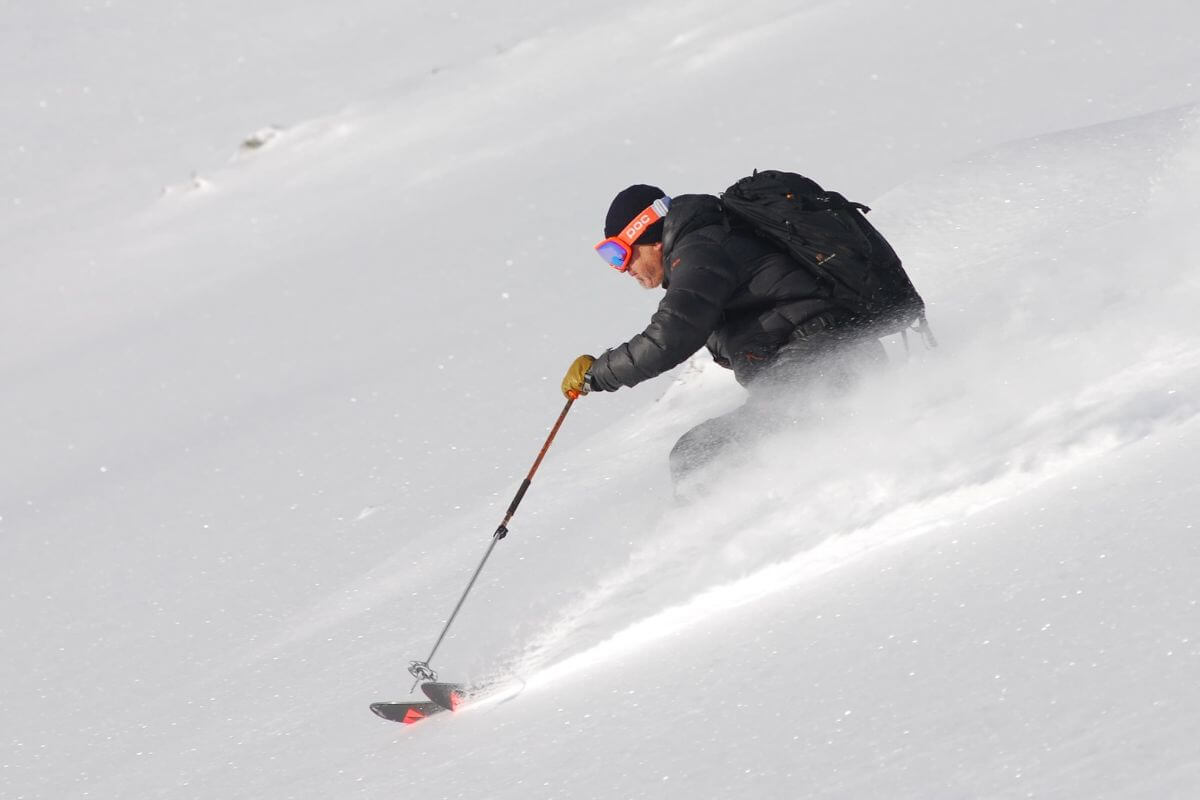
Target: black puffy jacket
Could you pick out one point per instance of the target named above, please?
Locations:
(729, 290)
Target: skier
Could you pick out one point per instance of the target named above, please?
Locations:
(787, 284)
(759, 313)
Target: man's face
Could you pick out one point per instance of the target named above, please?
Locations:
(646, 266)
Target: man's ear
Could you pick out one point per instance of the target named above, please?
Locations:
(657, 247)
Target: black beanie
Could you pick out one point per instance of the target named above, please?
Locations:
(627, 205)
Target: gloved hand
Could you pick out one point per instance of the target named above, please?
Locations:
(572, 384)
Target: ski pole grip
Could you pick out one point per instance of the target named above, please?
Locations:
(512, 508)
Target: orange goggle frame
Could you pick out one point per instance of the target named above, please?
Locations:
(617, 250)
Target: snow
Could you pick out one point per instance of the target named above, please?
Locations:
(287, 296)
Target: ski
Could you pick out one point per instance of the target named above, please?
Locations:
(408, 713)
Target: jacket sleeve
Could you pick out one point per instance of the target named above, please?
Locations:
(699, 284)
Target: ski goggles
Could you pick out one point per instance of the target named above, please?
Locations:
(617, 250)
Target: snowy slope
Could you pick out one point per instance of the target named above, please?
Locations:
(260, 422)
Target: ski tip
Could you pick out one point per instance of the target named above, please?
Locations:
(447, 695)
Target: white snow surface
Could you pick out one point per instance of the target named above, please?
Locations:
(286, 296)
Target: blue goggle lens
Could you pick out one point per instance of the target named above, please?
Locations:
(613, 254)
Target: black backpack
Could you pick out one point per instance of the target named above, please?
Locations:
(829, 236)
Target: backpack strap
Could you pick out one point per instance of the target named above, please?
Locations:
(927, 338)
(926, 333)
(835, 201)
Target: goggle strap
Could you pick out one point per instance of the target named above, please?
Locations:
(650, 215)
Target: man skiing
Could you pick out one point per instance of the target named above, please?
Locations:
(787, 340)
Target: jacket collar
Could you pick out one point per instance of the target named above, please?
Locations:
(689, 212)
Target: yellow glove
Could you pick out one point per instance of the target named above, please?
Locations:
(572, 384)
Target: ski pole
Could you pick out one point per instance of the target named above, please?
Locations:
(420, 670)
